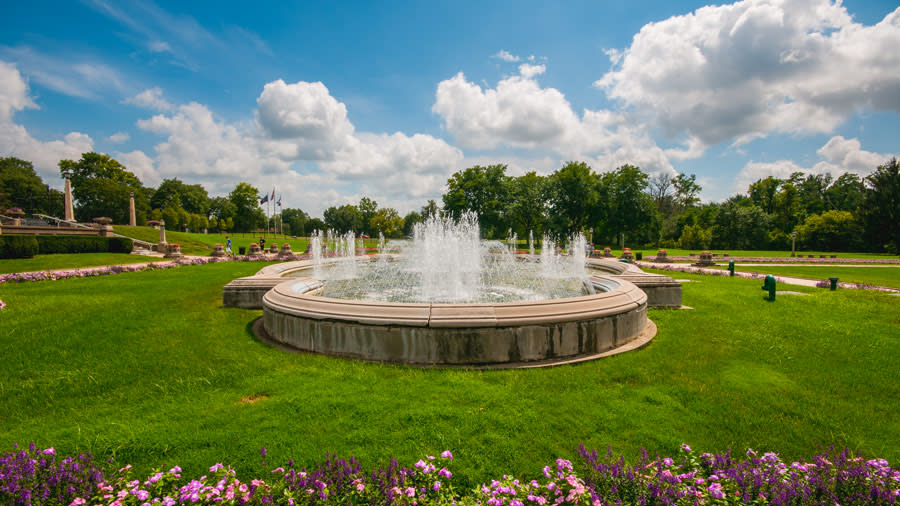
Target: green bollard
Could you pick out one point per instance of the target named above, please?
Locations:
(769, 285)
(731, 267)
(833, 283)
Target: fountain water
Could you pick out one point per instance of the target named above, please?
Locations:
(448, 262)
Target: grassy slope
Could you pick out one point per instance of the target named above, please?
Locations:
(189, 244)
(158, 379)
(879, 276)
(68, 261)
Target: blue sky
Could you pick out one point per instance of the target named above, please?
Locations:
(330, 102)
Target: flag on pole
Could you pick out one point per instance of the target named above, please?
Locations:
(264, 200)
(279, 200)
(273, 194)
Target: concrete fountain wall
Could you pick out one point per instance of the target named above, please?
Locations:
(458, 334)
(530, 333)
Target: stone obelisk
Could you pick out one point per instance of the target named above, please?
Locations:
(131, 220)
(67, 202)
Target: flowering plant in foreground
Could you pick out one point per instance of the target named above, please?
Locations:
(38, 477)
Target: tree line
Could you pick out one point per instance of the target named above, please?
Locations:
(621, 207)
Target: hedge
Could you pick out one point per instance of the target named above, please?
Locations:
(20, 246)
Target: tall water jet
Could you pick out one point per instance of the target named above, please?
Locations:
(531, 244)
(315, 252)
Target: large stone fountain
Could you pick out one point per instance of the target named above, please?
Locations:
(447, 298)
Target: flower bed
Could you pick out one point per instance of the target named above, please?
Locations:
(36, 476)
(20, 277)
(790, 260)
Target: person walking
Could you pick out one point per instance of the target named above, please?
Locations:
(228, 246)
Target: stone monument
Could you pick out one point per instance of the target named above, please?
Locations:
(67, 201)
(286, 250)
(218, 251)
(662, 256)
(131, 220)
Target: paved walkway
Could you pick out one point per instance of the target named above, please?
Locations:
(781, 279)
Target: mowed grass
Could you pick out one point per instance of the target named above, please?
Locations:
(888, 276)
(672, 252)
(148, 368)
(69, 261)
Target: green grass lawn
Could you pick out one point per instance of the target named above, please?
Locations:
(68, 261)
(768, 254)
(148, 368)
(879, 276)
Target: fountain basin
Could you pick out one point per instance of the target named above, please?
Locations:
(483, 334)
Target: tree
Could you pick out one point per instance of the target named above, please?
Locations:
(687, 191)
(221, 208)
(429, 209)
(571, 198)
(880, 208)
(831, 231)
(296, 219)
(101, 186)
(845, 193)
(527, 205)
(410, 220)
(367, 209)
(21, 187)
(481, 190)
(247, 214)
(740, 227)
(173, 193)
(314, 224)
(388, 222)
(628, 207)
(343, 219)
(660, 187)
(763, 192)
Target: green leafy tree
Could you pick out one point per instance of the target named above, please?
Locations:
(880, 208)
(343, 219)
(845, 193)
(763, 193)
(367, 209)
(101, 186)
(247, 214)
(695, 237)
(831, 231)
(687, 191)
(740, 227)
(21, 187)
(571, 193)
(481, 190)
(296, 219)
(388, 222)
(628, 207)
(429, 209)
(527, 204)
(315, 224)
(410, 220)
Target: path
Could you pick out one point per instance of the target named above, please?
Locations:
(781, 279)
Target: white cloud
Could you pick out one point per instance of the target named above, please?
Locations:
(119, 137)
(740, 71)
(15, 139)
(838, 155)
(66, 74)
(520, 113)
(151, 98)
(140, 165)
(301, 142)
(506, 56)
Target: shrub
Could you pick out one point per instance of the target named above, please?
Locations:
(18, 246)
(49, 244)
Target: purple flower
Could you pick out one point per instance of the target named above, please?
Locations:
(447, 455)
(436, 486)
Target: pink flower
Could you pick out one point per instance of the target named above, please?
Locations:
(77, 502)
(49, 451)
(216, 468)
(436, 486)
(447, 455)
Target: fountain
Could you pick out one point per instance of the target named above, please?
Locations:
(448, 298)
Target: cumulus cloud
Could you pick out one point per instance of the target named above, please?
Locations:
(119, 137)
(740, 71)
(15, 140)
(838, 155)
(522, 114)
(140, 165)
(150, 98)
(506, 56)
(302, 142)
